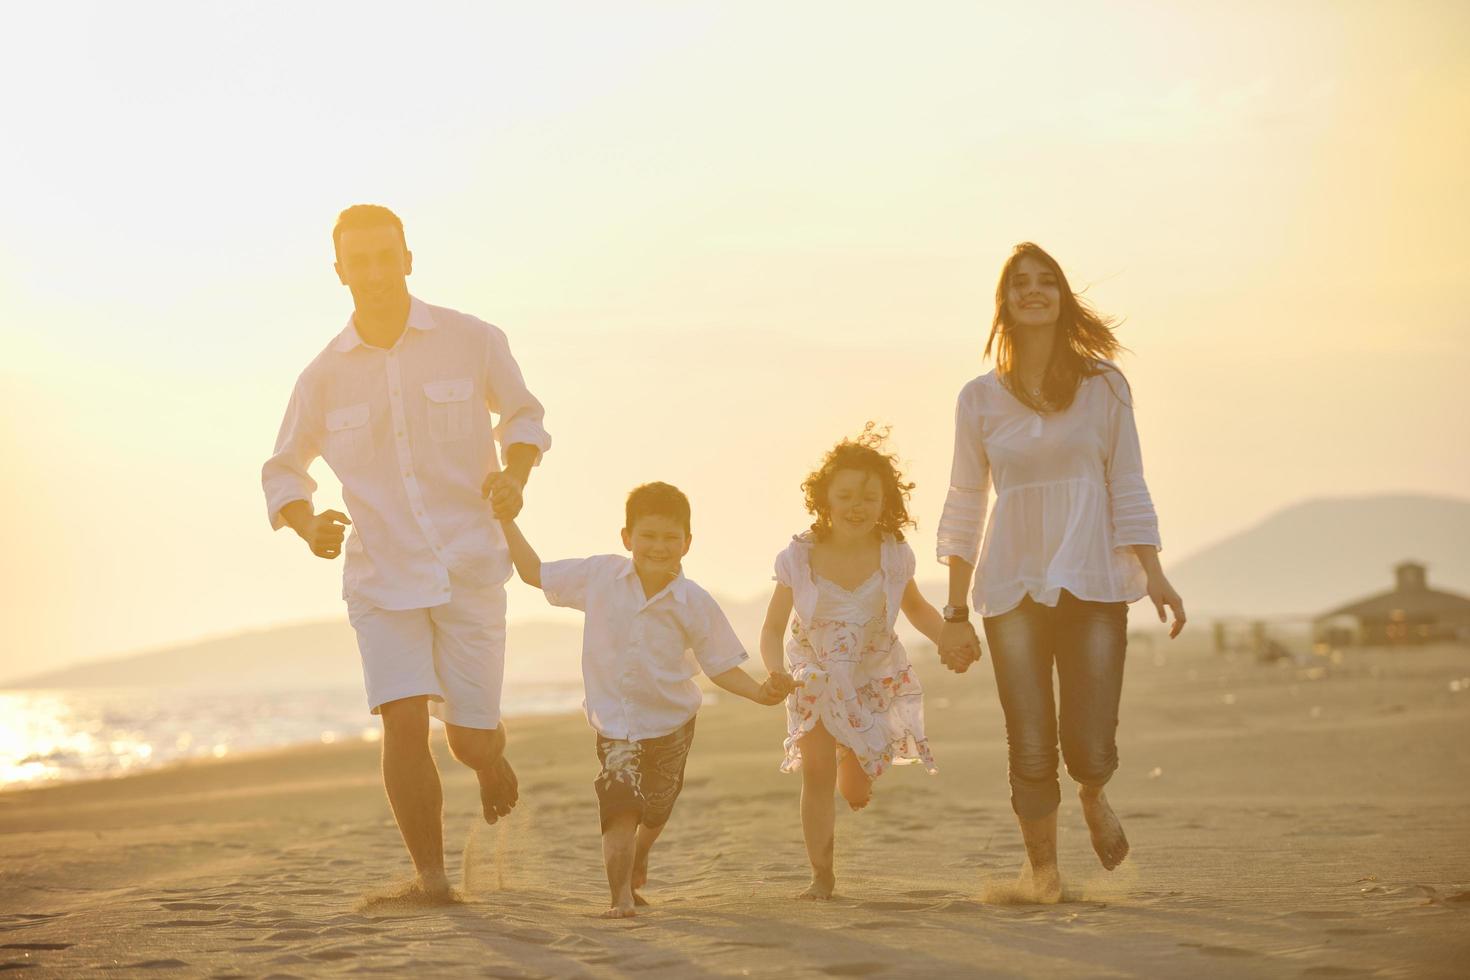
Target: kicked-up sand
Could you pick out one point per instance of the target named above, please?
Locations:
(1304, 821)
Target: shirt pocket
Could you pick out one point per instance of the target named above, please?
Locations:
(349, 437)
(451, 409)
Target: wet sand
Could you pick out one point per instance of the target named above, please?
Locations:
(1286, 820)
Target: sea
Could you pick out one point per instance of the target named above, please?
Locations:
(60, 735)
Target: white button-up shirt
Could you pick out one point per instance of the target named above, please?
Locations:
(1070, 498)
(640, 655)
(407, 430)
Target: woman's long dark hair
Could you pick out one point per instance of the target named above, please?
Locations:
(1084, 338)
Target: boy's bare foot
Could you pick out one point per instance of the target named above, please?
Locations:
(499, 790)
(620, 911)
(820, 890)
(1108, 839)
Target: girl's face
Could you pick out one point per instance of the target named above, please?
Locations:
(1033, 298)
(855, 503)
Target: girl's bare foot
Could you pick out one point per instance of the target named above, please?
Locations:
(1108, 839)
(620, 911)
(820, 890)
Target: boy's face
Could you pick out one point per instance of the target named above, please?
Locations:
(658, 544)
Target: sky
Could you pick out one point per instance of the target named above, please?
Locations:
(720, 237)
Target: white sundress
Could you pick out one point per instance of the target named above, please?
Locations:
(855, 673)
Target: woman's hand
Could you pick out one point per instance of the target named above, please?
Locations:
(959, 646)
(1162, 594)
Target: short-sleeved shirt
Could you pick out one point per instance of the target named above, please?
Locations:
(640, 655)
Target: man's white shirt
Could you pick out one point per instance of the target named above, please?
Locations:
(640, 654)
(408, 433)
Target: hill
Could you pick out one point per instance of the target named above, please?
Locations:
(1321, 553)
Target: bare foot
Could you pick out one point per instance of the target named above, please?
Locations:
(499, 790)
(620, 911)
(1107, 832)
(639, 900)
(1045, 886)
(418, 893)
(820, 890)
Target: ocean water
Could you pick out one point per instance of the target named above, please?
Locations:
(49, 736)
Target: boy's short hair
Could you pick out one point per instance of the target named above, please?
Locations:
(365, 216)
(658, 500)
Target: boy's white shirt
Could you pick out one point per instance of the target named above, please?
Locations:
(640, 655)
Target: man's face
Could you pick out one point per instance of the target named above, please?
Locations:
(373, 263)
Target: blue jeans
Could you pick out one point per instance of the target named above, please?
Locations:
(1087, 642)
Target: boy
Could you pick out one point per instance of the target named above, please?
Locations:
(648, 631)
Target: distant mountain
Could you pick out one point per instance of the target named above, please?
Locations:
(1323, 553)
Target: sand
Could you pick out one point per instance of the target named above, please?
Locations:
(1285, 820)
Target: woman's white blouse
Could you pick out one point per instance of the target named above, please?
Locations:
(1070, 498)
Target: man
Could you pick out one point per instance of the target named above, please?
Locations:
(398, 405)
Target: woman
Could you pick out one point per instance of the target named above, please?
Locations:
(1072, 540)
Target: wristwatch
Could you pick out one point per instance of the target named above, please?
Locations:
(956, 614)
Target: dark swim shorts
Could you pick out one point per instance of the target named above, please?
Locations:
(642, 777)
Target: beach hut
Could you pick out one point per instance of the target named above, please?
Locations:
(1411, 613)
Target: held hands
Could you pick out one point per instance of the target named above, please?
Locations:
(959, 646)
(323, 533)
(776, 687)
(1162, 594)
(503, 490)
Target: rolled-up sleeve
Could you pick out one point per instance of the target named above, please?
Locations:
(521, 416)
(284, 476)
(1131, 507)
(963, 520)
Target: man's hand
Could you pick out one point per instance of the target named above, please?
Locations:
(959, 646)
(504, 491)
(323, 533)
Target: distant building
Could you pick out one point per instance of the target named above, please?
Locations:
(1411, 613)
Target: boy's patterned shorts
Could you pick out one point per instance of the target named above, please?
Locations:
(642, 777)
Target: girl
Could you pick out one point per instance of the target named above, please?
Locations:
(860, 707)
(1072, 540)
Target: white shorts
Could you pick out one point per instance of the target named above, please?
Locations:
(454, 654)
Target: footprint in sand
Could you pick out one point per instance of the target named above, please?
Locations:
(1210, 950)
(853, 969)
(36, 946)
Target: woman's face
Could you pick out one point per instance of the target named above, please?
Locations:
(1033, 297)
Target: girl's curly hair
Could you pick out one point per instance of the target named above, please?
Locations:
(865, 454)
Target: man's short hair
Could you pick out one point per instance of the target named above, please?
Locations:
(364, 216)
(658, 500)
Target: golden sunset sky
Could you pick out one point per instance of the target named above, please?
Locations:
(720, 237)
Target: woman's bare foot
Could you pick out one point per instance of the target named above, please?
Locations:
(820, 890)
(1108, 839)
(620, 911)
(1045, 887)
(499, 790)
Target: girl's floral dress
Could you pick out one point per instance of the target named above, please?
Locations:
(855, 674)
